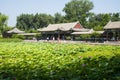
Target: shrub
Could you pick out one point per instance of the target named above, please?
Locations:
(38, 36)
(10, 40)
(31, 31)
(18, 36)
(68, 37)
(85, 36)
(98, 28)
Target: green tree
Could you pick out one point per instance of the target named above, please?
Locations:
(29, 21)
(98, 28)
(95, 35)
(24, 21)
(78, 10)
(115, 17)
(58, 18)
(98, 21)
(85, 36)
(45, 19)
(3, 23)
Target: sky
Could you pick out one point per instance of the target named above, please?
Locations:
(14, 8)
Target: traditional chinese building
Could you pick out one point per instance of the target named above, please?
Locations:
(14, 31)
(112, 30)
(62, 30)
(19, 32)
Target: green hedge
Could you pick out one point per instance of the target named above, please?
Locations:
(16, 36)
(10, 40)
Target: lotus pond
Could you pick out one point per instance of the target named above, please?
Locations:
(58, 61)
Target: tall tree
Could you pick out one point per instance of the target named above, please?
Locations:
(24, 21)
(32, 22)
(98, 21)
(59, 18)
(78, 10)
(3, 23)
(115, 17)
(45, 19)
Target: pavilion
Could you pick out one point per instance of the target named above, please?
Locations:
(112, 30)
(62, 30)
(14, 31)
(19, 32)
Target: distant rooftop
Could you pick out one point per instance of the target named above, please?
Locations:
(61, 26)
(15, 30)
(113, 25)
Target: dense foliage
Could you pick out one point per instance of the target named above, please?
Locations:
(30, 21)
(16, 36)
(10, 40)
(3, 23)
(75, 10)
(78, 10)
(50, 61)
(98, 21)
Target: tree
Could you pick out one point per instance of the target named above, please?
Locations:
(78, 10)
(98, 28)
(58, 18)
(3, 23)
(115, 17)
(24, 22)
(33, 22)
(98, 21)
(45, 20)
(95, 35)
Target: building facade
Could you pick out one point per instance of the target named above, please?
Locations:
(61, 31)
(112, 31)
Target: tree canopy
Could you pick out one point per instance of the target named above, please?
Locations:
(75, 10)
(3, 23)
(98, 21)
(115, 17)
(78, 10)
(58, 18)
(30, 21)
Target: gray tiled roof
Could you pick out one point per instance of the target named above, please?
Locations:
(112, 25)
(28, 34)
(61, 26)
(88, 32)
(80, 29)
(15, 30)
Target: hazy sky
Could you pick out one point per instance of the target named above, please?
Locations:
(14, 8)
